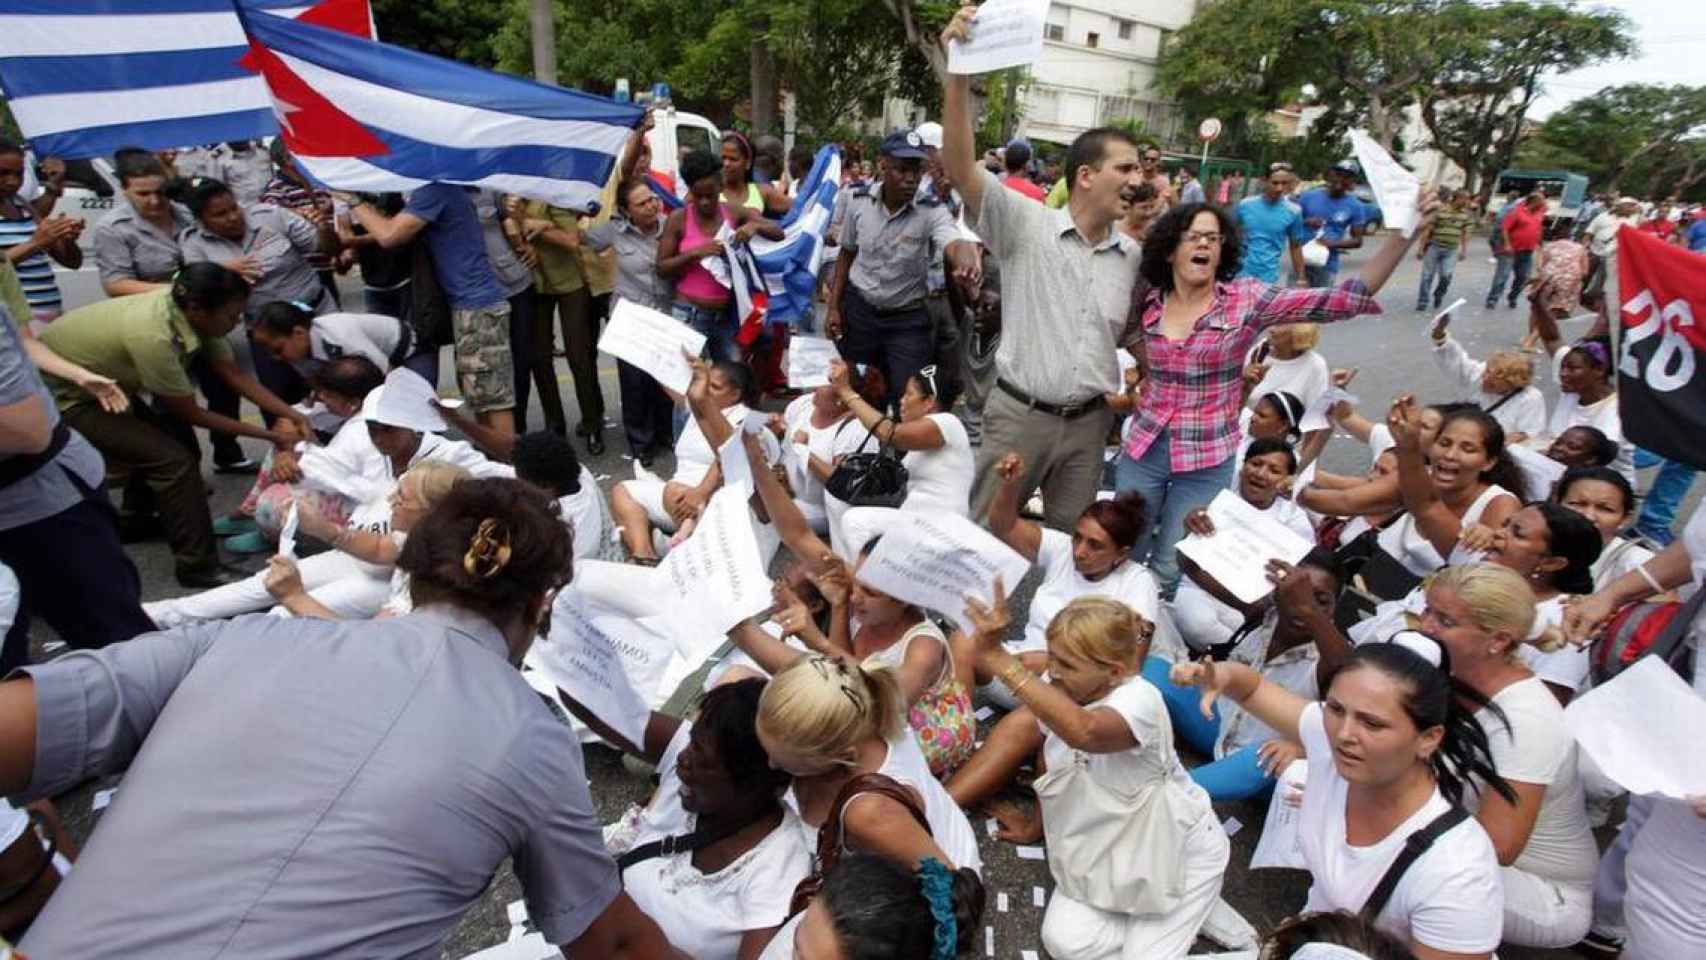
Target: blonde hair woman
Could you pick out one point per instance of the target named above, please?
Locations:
(1482, 615)
(1135, 849)
(827, 720)
(1503, 385)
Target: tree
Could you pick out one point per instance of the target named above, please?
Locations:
(1476, 108)
(1634, 134)
(464, 30)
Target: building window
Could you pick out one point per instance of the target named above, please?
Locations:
(1126, 27)
(1054, 31)
(1093, 40)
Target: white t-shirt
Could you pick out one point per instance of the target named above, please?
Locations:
(1409, 547)
(1537, 748)
(1130, 583)
(1619, 557)
(1524, 413)
(949, 827)
(1304, 376)
(693, 453)
(1292, 669)
(1139, 704)
(941, 479)
(1566, 666)
(370, 335)
(1601, 415)
(588, 519)
(705, 915)
(821, 444)
(1451, 897)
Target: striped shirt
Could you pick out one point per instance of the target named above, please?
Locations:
(1449, 228)
(1193, 389)
(35, 271)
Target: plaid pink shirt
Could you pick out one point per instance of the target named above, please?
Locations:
(1193, 389)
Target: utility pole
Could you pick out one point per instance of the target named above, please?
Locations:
(544, 22)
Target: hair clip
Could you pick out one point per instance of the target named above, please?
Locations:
(1421, 645)
(488, 553)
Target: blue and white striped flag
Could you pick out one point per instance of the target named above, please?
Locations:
(368, 116)
(85, 77)
(786, 268)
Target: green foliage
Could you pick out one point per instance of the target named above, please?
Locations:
(462, 30)
(1636, 137)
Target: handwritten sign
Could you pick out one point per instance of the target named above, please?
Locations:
(595, 666)
(936, 560)
(808, 362)
(716, 577)
(1279, 845)
(1244, 540)
(652, 341)
(1642, 730)
(1395, 188)
(1006, 33)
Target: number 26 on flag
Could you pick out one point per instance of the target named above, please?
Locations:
(1672, 362)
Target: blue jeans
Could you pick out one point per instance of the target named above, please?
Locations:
(1440, 262)
(1236, 776)
(1513, 267)
(1168, 496)
(1658, 510)
(1323, 276)
(718, 326)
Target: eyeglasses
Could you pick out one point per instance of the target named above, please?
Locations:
(1202, 236)
(929, 375)
(1279, 166)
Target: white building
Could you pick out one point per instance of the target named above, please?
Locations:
(1098, 68)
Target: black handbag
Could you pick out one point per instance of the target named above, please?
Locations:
(869, 479)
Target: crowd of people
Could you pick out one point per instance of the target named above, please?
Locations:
(334, 754)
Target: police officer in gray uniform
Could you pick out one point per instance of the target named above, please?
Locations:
(876, 298)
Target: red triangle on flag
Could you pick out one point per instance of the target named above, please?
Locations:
(350, 16)
(310, 125)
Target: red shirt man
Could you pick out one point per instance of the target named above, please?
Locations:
(1661, 225)
(1023, 184)
(1524, 225)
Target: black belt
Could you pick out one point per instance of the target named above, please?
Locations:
(1066, 411)
(14, 469)
(912, 307)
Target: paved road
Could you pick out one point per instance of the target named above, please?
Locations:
(1392, 355)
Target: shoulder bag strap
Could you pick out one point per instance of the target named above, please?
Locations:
(681, 843)
(1677, 630)
(829, 836)
(1507, 398)
(1414, 846)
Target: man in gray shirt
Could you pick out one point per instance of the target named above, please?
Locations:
(58, 533)
(876, 298)
(313, 788)
(1066, 284)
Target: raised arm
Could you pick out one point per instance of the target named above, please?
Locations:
(959, 146)
(784, 513)
(1379, 268)
(920, 434)
(1022, 535)
(1434, 520)
(1365, 499)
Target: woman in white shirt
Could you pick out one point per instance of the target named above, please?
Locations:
(1587, 388)
(809, 426)
(1093, 560)
(641, 504)
(1605, 498)
(1390, 751)
(1483, 614)
(1291, 365)
(1135, 849)
(721, 886)
(939, 461)
(1502, 385)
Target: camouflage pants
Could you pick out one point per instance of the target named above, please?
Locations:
(485, 370)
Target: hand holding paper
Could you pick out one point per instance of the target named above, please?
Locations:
(1004, 33)
(652, 341)
(1397, 190)
(1642, 729)
(808, 362)
(1243, 541)
(935, 561)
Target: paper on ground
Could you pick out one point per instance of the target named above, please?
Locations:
(287, 533)
(936, 559)
(1001, 902)
(1232, 825)
(1007, 33)
(102, 798)
(808, 361)
(1279, 845)
(1395, 188)
(517, 911)
(1643, 730)
(1031, 853)
(653, 341)
(716, 577)
(1038, 897)
(591, 665)
(1244, 541)
(529, 947)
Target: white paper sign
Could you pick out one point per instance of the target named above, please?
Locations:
(287, 533)
(1007, 33)
(1279, 845)
(808, 362)
(1643, 729)
(1395, 188)
(936, 559)
(592, 665)
(652, 341)
(1244, 541)
(716, 577)
(1540, 473)
(1318, 416)
(731, 456)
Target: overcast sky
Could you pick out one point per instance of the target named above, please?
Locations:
(1671, 35)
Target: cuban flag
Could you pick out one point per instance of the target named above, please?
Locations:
(775, 281)
(85, 77)
(366, 116)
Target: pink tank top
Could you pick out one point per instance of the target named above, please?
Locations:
(696, 281)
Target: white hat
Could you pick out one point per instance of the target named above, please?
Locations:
(1629, 201)
(930, 134)
(404, 400)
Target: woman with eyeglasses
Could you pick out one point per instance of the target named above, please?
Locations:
(1199, 321)
(939, 461)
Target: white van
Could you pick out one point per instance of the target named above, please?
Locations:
(91, 189)
(676, 132)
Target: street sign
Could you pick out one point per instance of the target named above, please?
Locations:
(1208, 130)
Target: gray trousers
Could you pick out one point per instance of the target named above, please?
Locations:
(1062, 457)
